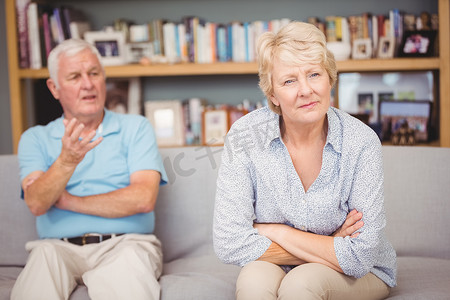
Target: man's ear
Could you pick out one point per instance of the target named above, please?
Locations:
(52, 87)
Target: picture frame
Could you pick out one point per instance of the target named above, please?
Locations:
(417, 43)
(386, 47)
(137, 51)
(110, 44)
(215, 124)
(124, 95)
(166, 117)
(415, 115)
(366, 106)
(383, 96)
(362, 49)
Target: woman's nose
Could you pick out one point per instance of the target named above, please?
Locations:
(304, 88)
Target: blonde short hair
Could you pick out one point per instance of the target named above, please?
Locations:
(296, 43)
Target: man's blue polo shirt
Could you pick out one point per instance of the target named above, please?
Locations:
(129, 145)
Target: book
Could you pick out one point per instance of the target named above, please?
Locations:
(79, 28)
(238, 40)
(330, 25)
(47, 35)
(169, 41)
(182, 42)
(34, 44)
(221, 43)
(22, 32)
(59, 25)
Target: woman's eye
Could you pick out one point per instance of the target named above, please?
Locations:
(288, 81)
(314, 75)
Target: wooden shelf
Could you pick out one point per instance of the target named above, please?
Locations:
(17, 76)
(395, 64)
(231, 68)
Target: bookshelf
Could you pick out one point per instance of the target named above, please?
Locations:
(441, 65)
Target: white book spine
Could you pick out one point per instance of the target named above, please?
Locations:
(33, 37)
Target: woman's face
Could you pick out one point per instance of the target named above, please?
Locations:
(302, 92)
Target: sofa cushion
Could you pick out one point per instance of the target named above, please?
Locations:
(18, 224)
(197, 278)
(422, 278)
(184, 209)
(417, 189)
(8, 276)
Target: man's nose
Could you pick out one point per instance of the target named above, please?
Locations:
(87, 82)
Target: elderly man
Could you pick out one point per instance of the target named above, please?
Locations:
(91, 177)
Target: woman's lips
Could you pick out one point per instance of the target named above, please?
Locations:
(309, 105)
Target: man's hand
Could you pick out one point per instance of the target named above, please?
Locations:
(74, 148)
(43, 189)
(352, 223)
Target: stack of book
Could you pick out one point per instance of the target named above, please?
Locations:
(41, 27)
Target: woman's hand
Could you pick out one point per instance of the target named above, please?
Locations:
(352, 223)
(268, 230)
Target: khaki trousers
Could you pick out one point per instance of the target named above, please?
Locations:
(263, 280)
(123, 267)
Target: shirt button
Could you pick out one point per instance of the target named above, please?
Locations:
(303, 201)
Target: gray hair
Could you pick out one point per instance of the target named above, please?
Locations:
(69, 47)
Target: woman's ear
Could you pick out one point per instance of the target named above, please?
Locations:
(274, 100)
(52, 87)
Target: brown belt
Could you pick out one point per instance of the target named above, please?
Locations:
(90, 238)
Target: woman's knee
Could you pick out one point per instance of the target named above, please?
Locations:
(259, 280)
(307, 281)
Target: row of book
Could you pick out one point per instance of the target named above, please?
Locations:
(40, 27)
(193, 39)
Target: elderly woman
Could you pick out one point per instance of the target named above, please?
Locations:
(299, 200)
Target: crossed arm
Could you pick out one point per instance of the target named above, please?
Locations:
(42, 190)
(291, 246)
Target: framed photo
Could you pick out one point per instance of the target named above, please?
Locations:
(124, 95)
(386, 47)
(398, 115)
(362, 49)
(215, 126)
(166, 116)
(365, 105)
(110, 44)
(384, 96)
(417, 43)
(136, 51)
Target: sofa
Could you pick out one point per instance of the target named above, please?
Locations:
(417, 202)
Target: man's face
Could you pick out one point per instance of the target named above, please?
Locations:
(82, 87)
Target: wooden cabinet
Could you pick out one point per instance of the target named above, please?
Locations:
(440, 64)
